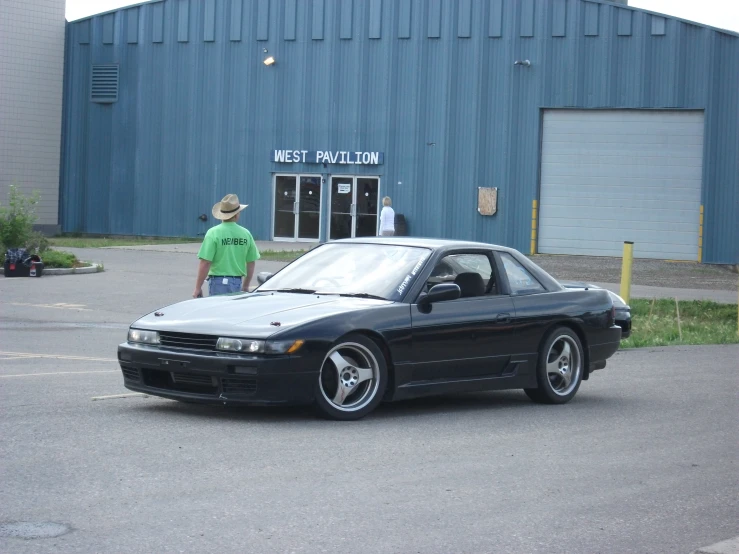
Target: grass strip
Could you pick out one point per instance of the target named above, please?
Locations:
(656, 323)
(72, 241)
(280, 256)
(60, 259)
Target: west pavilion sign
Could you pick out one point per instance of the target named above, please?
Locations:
(327, 157)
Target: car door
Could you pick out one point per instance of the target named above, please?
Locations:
(533, 309)
(464, 338)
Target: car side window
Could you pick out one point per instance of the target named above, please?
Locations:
(472, 272)
(519, 278)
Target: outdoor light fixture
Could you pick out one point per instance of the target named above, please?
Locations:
(269, 60)
(525, 63)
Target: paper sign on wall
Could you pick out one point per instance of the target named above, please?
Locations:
(345, 188)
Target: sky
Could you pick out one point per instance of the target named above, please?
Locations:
(717, 13)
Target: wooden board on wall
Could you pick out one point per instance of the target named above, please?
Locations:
(487, 200)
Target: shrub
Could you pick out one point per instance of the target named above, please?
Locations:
(60, 258)
(17, 219)
(37, 243)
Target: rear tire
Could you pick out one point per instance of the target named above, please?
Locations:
(352, 379)
(560, 368)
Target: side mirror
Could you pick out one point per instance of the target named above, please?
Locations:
(263, 277)
(439, 293)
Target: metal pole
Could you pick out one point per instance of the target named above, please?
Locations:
(628, 259)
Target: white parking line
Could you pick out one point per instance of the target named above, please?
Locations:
(18, 357)
(55, 356)
(58, 373)
(129, 395)
(58, 306)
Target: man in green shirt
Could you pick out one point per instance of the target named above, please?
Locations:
(228, 252)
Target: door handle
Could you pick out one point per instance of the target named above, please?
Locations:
(295, 207)
(353, 210)
(503, 318)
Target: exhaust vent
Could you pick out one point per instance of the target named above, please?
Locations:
(104, 83)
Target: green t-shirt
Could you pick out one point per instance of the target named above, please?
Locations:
(229, 247)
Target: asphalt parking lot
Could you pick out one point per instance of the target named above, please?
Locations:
(643, 460)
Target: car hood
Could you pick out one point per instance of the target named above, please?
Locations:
(253, 315)
(617, 300)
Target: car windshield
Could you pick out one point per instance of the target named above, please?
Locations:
(372, 270)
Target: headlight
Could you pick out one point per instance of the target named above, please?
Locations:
(249, 346)
(145, 337)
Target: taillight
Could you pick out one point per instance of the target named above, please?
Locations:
(613, 315)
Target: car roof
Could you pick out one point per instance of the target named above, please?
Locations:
(436, 244)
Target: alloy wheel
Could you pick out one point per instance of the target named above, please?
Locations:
(349, 377)
(563, 365)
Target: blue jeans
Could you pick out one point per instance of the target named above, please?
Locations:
(216, 286)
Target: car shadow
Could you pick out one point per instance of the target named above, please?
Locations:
(265, 414)
(453, 403)
(445, 404)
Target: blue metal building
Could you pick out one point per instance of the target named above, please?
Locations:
(563, 126)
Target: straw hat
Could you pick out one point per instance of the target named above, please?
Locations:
(228, 207)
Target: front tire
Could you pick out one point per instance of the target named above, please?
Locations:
(560, 368)
(352, 380)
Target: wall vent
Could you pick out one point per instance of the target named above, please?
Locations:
(104, 83)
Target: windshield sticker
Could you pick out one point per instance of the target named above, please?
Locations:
(404, 284)
(410, 276)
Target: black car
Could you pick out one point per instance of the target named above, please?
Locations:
(355, 322)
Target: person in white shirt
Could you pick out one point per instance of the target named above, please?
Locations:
(387, 218)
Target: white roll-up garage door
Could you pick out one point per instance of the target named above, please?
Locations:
(609, 176)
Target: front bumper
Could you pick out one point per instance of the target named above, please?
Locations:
(218, 378)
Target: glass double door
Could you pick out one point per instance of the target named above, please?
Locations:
(297, 207)
(354, 207)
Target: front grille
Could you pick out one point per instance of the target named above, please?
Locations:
(239, 385)
(180, 381)
(200, 384)
(190, 379)
(130, 373)
(187, 340)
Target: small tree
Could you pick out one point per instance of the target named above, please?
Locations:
(17, 219)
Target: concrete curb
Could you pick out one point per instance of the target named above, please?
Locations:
(93, 268)
(729, 546)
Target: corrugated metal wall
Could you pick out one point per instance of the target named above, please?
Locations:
(431, 83)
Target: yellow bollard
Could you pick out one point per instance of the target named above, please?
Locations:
(626, 270)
